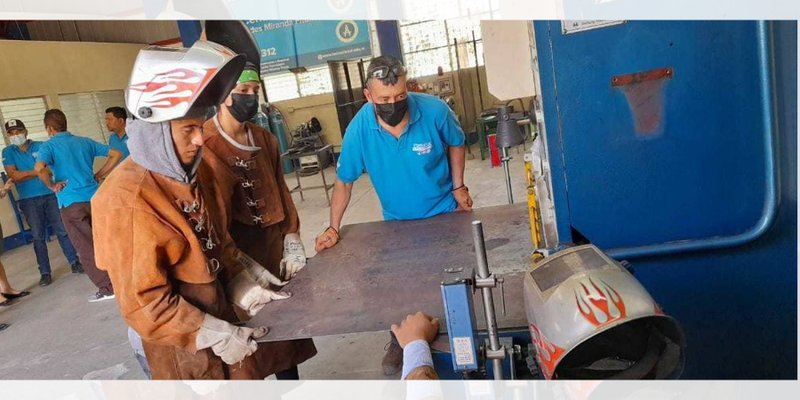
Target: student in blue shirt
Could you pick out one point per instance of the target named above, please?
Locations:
(70, 159)
(116, 122)
(412, 147)
(37, 203)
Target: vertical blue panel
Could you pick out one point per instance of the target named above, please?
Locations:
(389, 38)
(190, 32)
(702, 174)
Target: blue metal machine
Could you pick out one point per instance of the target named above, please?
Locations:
(672, 145)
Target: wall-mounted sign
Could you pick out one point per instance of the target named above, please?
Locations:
(275, 40)
(574, 26)
(288, 44)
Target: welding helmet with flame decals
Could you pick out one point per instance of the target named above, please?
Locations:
(589, 318)
(170, 83)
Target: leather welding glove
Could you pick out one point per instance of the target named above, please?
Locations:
(248, 295)
(326, 239)
(294, 256)
(230, 342)
(463, 198)
(261, 275)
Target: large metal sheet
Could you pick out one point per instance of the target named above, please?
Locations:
(382, 271)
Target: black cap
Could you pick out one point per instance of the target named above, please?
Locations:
(14, 124)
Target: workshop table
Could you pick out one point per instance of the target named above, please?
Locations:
(382, 271)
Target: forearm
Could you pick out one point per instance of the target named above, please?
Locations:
(339, 201)
(417, 361)
(22, 176)
(457, 157)
(112, 161)
(45, 176)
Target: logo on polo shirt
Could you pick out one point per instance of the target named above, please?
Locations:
(422, 148)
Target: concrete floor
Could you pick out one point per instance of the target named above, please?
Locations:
(56, 334)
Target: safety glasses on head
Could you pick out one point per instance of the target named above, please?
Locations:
(383, 72)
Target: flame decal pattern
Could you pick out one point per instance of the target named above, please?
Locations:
(547, 353)
(599, 306)
(168, 89)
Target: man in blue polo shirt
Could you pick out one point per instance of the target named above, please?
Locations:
(36, 201)
(116, 122)
(70, 160)
(412, 146)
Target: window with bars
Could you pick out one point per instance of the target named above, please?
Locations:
(281, 86)
(315, 81)
(428, 45)
(86, 112)
(30, 111)
(288, 85)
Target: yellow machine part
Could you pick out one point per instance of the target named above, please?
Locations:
(533, 211)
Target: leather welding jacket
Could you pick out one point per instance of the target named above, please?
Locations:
(259, 213)
(164, 245)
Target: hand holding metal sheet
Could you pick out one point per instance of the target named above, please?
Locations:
(294, 256)
(260, 274)
(248, 295)
(229, 342)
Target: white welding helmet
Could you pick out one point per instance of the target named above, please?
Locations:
(169, 83)
(589, 318)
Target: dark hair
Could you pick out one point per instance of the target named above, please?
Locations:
(383, 61)
(55, 119)
(118, 112)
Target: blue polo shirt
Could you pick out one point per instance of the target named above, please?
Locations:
(13, 156)
(71, 158)
(411, 175)
(118, 144)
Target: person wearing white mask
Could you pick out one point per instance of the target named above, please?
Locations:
(37, 203)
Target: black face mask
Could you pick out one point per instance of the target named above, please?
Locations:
(245, 106)
(392, 113)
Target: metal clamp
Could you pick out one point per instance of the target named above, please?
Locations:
(190, 208)
(209, 243)
(492, 281)
(254, 184)
(246, 164)
(494, 351)
(213, 265)
(254, 203)
(200, 224)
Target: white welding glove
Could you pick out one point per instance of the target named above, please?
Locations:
(294, 256)
(230, 342)
(261, 275)
(248, 295)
